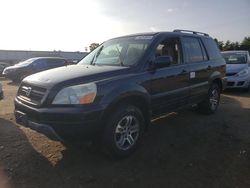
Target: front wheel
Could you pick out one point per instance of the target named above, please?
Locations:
(123, 131)
(211, 103)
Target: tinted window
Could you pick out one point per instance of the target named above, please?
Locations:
(170, 47)
(192, 49)
(40, 64)
(52, 63)
(205, 58)
(212, 48)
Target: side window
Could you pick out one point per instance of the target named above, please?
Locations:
(193, 50)
(170, 47)
(40, 64)
(53, 63)
(205, 58)
(212, 49)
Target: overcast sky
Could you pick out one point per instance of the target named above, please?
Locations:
(72, 25)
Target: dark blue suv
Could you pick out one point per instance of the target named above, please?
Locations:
(119, 87)
(23, 69)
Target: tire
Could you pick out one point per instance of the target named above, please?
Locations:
(123, 131)
(211, 103)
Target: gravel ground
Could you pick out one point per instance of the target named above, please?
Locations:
(182, 149)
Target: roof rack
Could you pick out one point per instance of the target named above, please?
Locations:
(193, 32)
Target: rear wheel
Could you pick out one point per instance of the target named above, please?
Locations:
(211, 103)
(123, 131)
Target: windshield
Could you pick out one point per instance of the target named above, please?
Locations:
(24, 63)
(235, 58)
(118, 52)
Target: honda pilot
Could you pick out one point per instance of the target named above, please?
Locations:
(114, 92)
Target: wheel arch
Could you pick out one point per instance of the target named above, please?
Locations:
(219, 82)
(216, 77)
(137, 99)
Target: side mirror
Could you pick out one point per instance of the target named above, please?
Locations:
(163, 61)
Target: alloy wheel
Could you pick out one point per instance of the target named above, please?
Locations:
(127, 132)
(214, 99)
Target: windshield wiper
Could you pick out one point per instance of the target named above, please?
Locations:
(96, 55)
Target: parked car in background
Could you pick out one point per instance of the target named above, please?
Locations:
(23, 69)
(2, 67)
(120, 86)
(237, 69)
(72, 62)
(1, 91)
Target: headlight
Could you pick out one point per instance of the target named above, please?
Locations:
(7, 71)
(79, 94)
(244, 72)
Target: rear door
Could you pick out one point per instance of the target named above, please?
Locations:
(196, 58)
(169, 85)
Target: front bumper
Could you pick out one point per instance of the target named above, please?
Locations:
(1, 94)
(238, 82)
(11, 76)
(60, 123)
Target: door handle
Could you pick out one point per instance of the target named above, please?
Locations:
(209, 67)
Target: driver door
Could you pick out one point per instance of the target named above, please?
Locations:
(169, 85)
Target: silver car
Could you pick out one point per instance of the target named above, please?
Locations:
(237, 69)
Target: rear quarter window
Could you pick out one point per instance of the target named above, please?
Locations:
(212, 48)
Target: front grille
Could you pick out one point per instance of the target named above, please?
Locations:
(31, 94)
(240, 83)
(230, 83)
(230, 74)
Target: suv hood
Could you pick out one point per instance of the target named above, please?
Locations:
(55, 76)
(235, 68)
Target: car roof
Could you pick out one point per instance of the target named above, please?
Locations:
(47, 58)
(37, 58)
(170, 33)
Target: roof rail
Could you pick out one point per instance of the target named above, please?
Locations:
(193, 32)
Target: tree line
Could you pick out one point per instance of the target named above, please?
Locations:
(228, 45)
